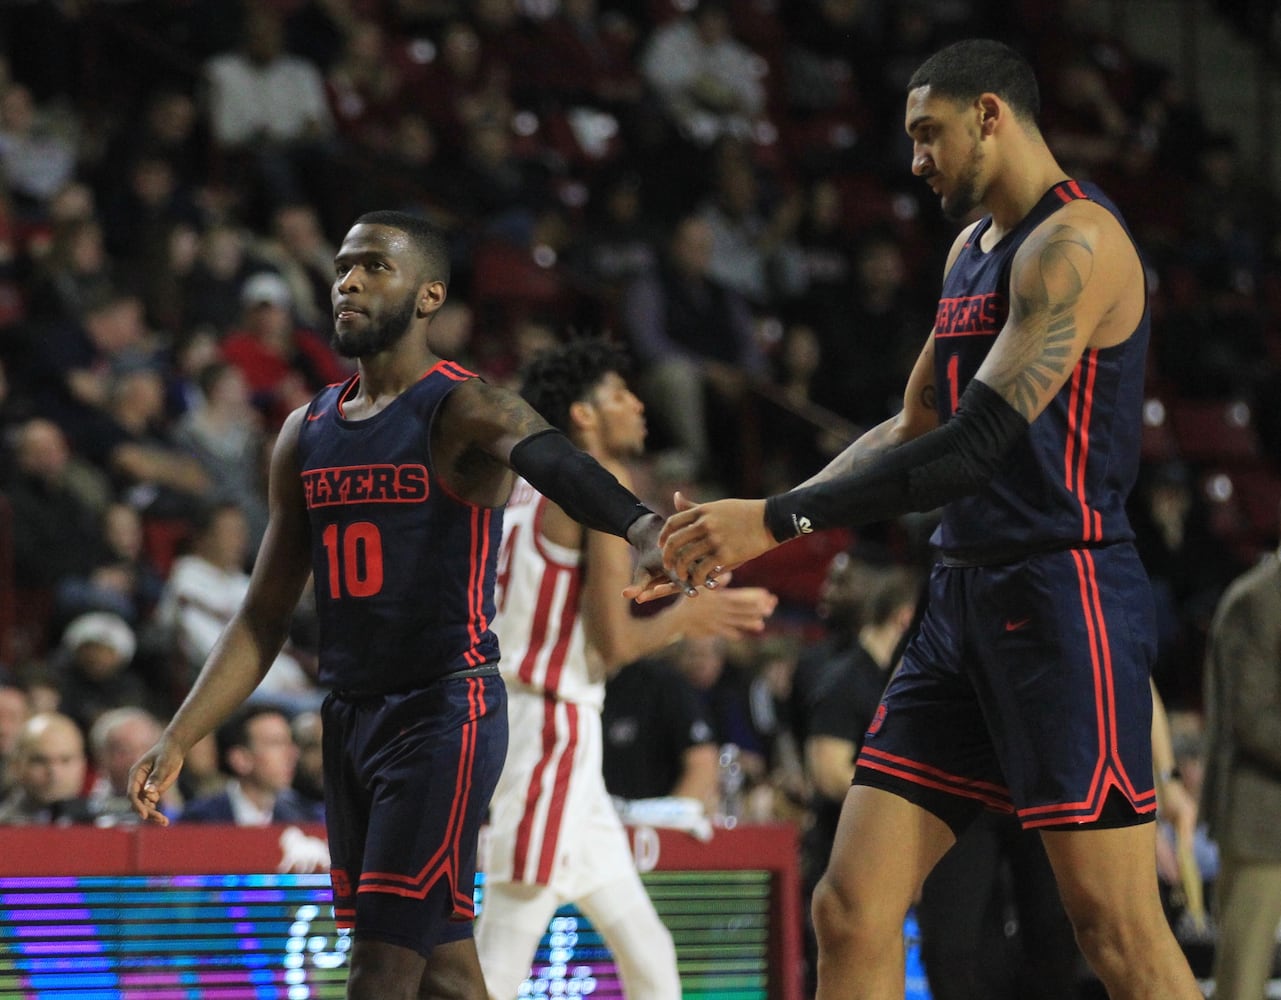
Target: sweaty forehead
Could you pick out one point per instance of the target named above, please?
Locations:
(366, 238)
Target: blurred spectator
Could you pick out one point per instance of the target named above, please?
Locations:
(461, 86)
(285, 364)
(365, 88)
(658, 738)
(56, 535)
(211, 285)
(71, 370)
(724, 687)
(309, 777)
(871, 342)
(270, 120)
(617, 242)
(695, 347)
(585, 57)
(49, 769)
(122, 580)
(257, 750)
(202, 593)
(37, 154)
(136, 447)
(75, 273)
(117, 738)
(754, 249)
(800, 435)
(492, 184)
(15, 709)
(709, 83)
(140, 215)
(1188, 567)
(301, 253)
(224, 433)
(1241, 797)
(167, 125)
(94, 667)
(868, 608)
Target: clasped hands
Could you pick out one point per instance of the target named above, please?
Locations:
(699, 544)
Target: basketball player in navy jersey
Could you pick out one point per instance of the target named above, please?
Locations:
(1026, 688)
(389, 489)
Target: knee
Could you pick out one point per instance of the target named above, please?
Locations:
(842, 921)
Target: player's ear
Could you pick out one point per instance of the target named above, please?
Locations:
(431, 296)
(991, 109)
(581, 414)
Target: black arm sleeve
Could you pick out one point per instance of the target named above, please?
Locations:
(945, 464)
(580, 485)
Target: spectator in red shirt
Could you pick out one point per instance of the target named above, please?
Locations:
(284, 364)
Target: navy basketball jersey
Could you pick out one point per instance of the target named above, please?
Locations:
(404, 571)
(1065, 483)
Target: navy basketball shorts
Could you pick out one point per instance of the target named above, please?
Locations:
(1026, 690)
(408, 778)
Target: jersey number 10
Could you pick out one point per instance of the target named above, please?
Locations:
(355, 560)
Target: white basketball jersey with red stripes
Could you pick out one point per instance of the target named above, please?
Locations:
(540, 637)
(551, 820)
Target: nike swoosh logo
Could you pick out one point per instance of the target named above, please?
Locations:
(1015, 626)
(316, 416)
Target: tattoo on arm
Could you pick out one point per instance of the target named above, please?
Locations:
(1045, 295)
(512, 413)
(858, 455)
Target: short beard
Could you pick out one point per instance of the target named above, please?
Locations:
(380, 336)
(966, 198)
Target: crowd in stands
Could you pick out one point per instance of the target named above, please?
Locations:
(721, 186)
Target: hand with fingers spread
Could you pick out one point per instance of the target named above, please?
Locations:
(701, 541)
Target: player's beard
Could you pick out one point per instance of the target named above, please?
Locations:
(966, 197)
(380, 335)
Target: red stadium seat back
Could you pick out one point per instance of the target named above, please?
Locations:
(1214, 431)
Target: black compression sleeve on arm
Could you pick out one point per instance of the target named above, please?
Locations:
(944, 464)
(575, 481)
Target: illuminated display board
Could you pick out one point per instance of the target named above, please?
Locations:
(231, 936)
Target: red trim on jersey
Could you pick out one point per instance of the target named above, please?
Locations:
(524, 830)
(540, 539)
(568, 618)
(538, 629)
(1077, 447)
(992, 795)
(1070, 191)
(560, 791)
(475, 585)
(346, 394)
(450, 369)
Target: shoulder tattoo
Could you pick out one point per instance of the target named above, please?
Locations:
(1045, 292)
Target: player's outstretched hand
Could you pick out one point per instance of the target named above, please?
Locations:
(651, 579)
(701, 541)
(151, 777)
(733, 612)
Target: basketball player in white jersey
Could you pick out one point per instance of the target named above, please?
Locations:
(563, 627)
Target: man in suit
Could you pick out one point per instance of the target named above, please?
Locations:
(1241, 794)
(256, 748)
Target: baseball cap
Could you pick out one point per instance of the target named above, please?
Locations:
(266, 287)
(103, 627)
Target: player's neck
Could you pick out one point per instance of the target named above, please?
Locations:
(385, 376)
(1029, 173)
